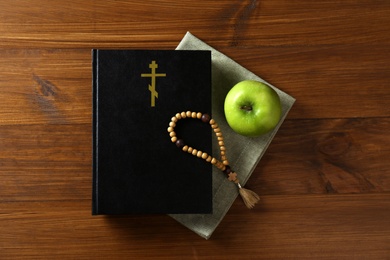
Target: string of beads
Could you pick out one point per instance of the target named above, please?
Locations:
(250, 198)
(222, 164)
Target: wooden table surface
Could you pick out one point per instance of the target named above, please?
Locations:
(324, 181)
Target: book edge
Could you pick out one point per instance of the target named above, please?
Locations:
(95, 208)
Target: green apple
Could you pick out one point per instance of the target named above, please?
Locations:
(252, 108)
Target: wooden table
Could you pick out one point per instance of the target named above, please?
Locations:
(324, 181)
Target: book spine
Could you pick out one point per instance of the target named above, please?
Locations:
(95, 203)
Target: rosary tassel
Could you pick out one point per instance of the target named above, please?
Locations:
(249, 197)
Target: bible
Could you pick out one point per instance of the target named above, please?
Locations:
(136, 166)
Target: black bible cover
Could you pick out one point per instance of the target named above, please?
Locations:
(136, 167)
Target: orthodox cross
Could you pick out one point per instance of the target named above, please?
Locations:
(152, 88)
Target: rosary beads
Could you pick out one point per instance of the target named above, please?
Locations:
(249, 197)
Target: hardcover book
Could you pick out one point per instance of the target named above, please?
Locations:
(244, 153)
(136, 166)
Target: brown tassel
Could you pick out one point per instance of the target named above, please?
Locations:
(249, 197)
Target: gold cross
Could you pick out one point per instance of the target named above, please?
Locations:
(152, 88)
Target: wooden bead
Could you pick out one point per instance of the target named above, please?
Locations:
(212, 121)
(214, 125)
(218, 134)
(172, 134)
(174, 139)
(170, 129)
(209, 158)
(205, 118)
(220, 165)
(183, 115)
(217, 130)
(180, 143)
(222, 148)
(199, 115)
(185, 148)
(213, 161)
(220, 138)
(199, 154)
(194, 152)
(188, 113)
(221, 143)
(189, 150)
(178, 116)
(204, 156)
(193, 115)
(225, 162)
(174, 119)
(172, 124)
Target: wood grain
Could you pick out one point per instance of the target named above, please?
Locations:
(320, 226)
(327, 156)
(324, 180)
(136, 24)
(57, 83)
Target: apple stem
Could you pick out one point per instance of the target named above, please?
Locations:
(247, 108)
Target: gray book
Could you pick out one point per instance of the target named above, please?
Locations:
(242, 152)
